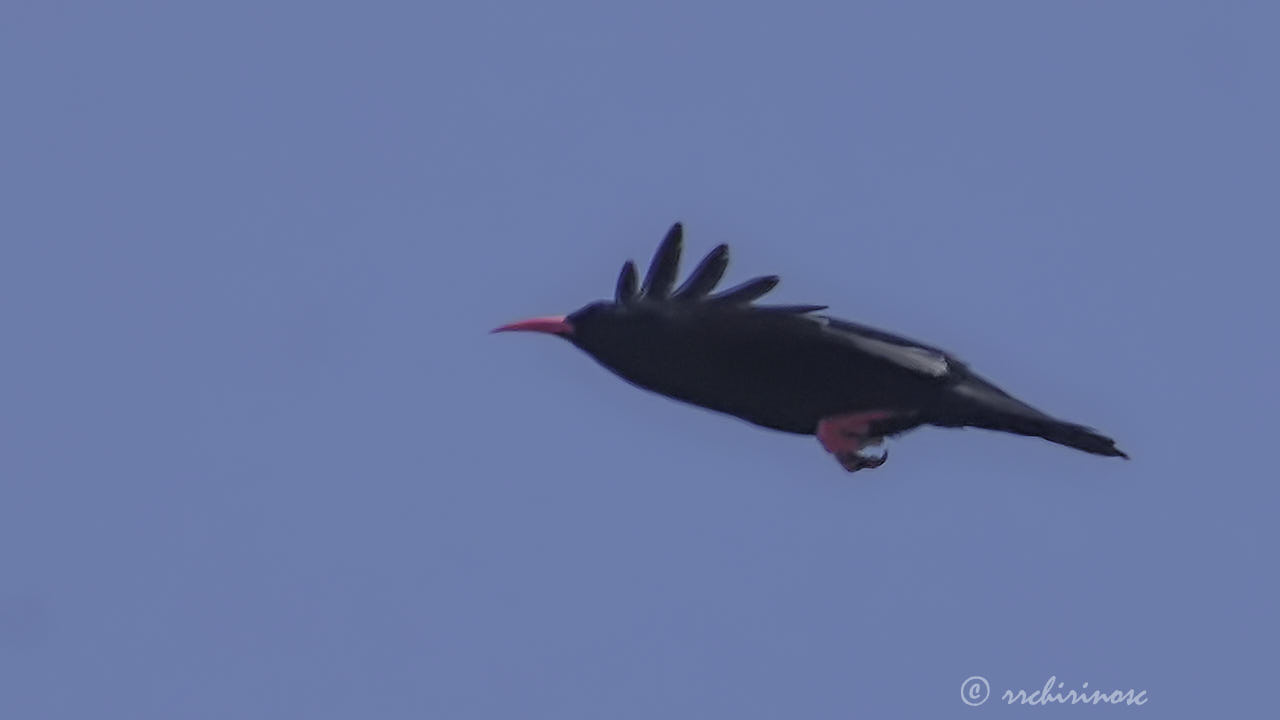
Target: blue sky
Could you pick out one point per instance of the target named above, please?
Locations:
(259, 457)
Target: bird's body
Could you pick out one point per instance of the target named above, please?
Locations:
(780, 370)
(789, 368)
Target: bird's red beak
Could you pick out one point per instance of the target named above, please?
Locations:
(552, 325)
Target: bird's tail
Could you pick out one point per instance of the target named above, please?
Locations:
(980, 404)
(1063, 433)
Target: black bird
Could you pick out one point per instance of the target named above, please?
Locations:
(787, 367)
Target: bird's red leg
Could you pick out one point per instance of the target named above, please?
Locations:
(845, 435)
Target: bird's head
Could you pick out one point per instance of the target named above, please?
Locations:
(591, 321)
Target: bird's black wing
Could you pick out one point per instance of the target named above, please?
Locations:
(659, 281)
(924, 359)
(966, 398)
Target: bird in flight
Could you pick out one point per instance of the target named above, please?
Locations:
(788, 367)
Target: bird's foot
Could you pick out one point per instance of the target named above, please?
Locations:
(845, 436)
